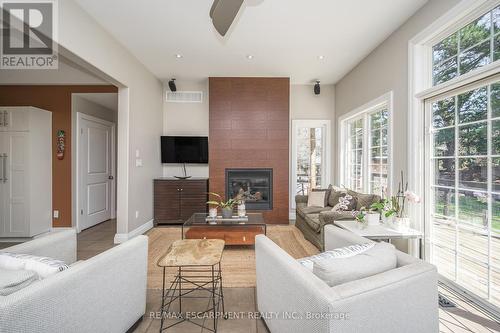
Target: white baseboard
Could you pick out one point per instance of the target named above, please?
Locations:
(121, 238)
(292, 216)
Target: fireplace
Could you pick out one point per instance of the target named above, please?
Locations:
(255, 186)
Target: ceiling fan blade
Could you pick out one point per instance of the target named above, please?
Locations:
(223, 13)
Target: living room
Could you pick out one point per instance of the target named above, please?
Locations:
(250, 166)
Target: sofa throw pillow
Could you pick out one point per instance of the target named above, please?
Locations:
(316, 199)
(335, 194)
(327, 193)
(342, 252)
(43, 266)
(14, 280)
(364, 200)
(346, 202)
(335, 271)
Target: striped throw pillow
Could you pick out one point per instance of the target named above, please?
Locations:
(342, 252)
(43, 266)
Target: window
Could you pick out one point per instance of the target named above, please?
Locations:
(464, 179)
(365, 166)
(474, 45)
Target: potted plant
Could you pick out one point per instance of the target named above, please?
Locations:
(360, 216)
(398, 205)
(373, 214)
(226, 206)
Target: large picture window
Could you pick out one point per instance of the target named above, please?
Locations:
(365, 166)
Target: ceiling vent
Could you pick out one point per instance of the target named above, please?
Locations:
(185, 96)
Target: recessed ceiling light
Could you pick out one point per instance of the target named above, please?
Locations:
(321, 57)
(178, 56)
(249, 57)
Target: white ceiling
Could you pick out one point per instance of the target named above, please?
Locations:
(284, 36)
(107, 100)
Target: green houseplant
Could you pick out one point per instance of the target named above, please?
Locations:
(226, 206)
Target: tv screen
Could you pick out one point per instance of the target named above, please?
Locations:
(184, 149)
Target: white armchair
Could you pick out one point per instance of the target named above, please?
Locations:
(106, 293)
(293, 299)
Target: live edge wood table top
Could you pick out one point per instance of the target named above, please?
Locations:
(193, 252)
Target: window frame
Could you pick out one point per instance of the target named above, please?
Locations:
(364, 112)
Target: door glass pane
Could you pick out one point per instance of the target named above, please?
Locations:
(495, 221)
(473, 208)
(444, 142)
(495, 135)
(473, 105)
(444, 259)
(473, 173)
(444, 202)
(443, 113)
(473, 276)
(473, 139)
(495, 100)
(310, 159)
(444, 172)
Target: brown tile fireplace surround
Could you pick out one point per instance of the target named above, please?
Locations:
(249, 124)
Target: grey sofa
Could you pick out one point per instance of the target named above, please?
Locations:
(404, 299)
(312, 220)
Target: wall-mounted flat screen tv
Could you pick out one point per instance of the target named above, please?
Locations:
(184, 149)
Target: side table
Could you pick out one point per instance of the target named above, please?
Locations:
(198, 269)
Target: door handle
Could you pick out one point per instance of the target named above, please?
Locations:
(111, 177)
(4, 167)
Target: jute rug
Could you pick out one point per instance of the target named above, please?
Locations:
(238, 262)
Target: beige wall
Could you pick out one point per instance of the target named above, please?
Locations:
(186, 119)
(140, 116)
(386, 69)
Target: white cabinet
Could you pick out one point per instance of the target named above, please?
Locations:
(25, 171)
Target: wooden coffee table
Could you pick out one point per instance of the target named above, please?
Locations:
(233, 232)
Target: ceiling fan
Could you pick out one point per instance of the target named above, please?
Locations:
(223, 13)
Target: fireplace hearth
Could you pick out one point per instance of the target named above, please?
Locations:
(254, 186)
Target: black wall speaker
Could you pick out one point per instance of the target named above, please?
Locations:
(172, 86)
(317, 88)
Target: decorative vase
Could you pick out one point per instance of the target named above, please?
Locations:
(227, 212)
(212, 212)
(242, 212)
(372, 218)
(401, 223)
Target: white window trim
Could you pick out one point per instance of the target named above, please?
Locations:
(385, 99)
(296, 123)
(420, 88)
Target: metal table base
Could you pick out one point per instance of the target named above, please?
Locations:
(188, 280)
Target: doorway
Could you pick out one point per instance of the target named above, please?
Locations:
(310, 157)
(95, 170)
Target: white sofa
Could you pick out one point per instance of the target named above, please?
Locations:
(293, 300)
(106, 293)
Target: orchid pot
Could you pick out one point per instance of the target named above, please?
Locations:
(227, 212)
(372, 218)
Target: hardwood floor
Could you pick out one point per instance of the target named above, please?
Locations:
(465, 317)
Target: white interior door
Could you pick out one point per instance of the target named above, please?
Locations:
(311, 161)
(14, 183)
(95, 172)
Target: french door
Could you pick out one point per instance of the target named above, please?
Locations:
(311, 141)
(463, 186)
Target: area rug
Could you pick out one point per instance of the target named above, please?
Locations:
(238, 262)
